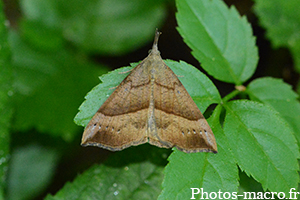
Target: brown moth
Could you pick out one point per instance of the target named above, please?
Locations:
(150, 105)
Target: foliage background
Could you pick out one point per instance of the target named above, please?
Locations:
(52, 53)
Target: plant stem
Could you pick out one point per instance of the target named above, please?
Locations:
(230, 95)
(217, 112)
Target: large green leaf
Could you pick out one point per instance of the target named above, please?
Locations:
(5, 100)
(201, 89)
(102, 26)
(31, 170)
(220, 39)
(281, 97)
(263, 144)
(282, 23)
(50, 87)
(135, 173)
(212, 172)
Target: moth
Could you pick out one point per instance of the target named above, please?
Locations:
(150, 105)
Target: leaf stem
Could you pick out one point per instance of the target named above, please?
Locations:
(230, 96)
(216, 114)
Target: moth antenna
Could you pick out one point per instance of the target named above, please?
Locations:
(154, 47)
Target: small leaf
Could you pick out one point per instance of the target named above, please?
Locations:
(97, 96)
(263, 144)
(6, 91)
(134, 173)
(107, 27)
(212, 172)
(31, 169)
(280, 96)
(201, 89)
(282, 23)
(220, 39)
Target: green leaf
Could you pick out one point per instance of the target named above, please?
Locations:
(50, 87)
(201, 89)
(295, 50)
(198, 85)
(280, 18)
(219, 38)
(134, 173)
(106, 26)
(248, 184)
(280, 96)
(97, 96)
(5, 100)
(263, 144)
(212, 172)
(41, 36)
(282, 23)
(31, 169)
